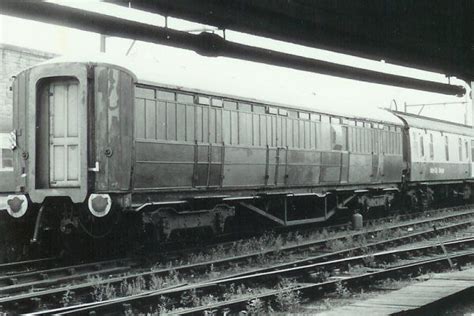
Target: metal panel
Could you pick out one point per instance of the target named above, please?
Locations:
(378, 165)
(433, 171)
(360, 170)
(113, 126)
(20, 88)
(392, 170)
(244, 166)
(344, 167)
(64, 134)
(281, 166)
(162, 165)
(303, 167)
(330, 167)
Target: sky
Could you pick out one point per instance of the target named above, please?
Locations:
(321, 91)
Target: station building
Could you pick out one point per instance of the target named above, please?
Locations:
(12, 60)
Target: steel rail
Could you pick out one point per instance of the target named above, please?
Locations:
(180, 253)
(379, 245)
(317, 289)
(81, 289)
(26, 265)
(10, 284)
(139, 300)
(322, 243)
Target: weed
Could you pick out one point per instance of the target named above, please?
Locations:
(173, 277)
(213, 312)
(278, 243)
(241, 289)
(342, 291)
(156, 282)
(287, 300)
(208, 300)
(298, 238)
(67, 298)
(369, 261)
(324, 233)
(136, 286)
(163, 306)
(255, 306)
(229, 293)
(335, 245)
(189, 299)
(262, 259)
(102, 292)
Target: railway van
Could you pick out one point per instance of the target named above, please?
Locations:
(98, 138)
(439, 157)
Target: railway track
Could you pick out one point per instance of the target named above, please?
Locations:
(304, 278)
(17, 282)
(314, 251)
(27, 265)
(327, 243)
(180, 253)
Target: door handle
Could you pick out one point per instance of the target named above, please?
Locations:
(95, 168)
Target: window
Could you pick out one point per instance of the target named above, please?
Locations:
(324, 119)
(165, 95)
(315, 117)
(446, 147)
(245, 107)
(185, 98)
(229, 105)
(293, 114)
(283, 112)
(460, 148)
(203, 100)
(304, 116)
(422, 147)
(431, 147)
(259, 109)
(272, 110)
(217, 102)
(145, 93)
